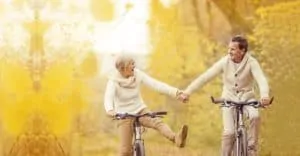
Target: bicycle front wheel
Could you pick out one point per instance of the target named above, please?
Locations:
(243, 144)
(139, 149)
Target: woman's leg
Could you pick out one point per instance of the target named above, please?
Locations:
(125, 128)
(164, 129)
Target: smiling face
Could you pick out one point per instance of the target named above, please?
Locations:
(237, 48)
(125, 66)
(236, 54)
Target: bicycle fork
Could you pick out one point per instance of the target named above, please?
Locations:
(239, 130)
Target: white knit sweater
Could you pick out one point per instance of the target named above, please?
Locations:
(238, 84)
(123, 94)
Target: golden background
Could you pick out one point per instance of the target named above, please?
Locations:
(51, 91)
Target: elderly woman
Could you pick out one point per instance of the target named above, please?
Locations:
(123, 95)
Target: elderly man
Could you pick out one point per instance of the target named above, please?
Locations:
(239, 72)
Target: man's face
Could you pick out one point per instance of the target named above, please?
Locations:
(236, 54)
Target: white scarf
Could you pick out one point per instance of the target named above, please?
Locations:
(121, 81)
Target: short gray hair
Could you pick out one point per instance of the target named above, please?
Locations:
(122, 61)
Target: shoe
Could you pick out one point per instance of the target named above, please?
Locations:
(180, 137)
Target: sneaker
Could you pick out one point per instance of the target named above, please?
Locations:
(180, 137)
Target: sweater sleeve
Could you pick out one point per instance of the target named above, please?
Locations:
(157, 85)
(109, 96)
(260, 78)
(201, 80)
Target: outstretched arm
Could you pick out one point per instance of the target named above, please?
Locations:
(158, 85)
(109, 98)
(201, 80)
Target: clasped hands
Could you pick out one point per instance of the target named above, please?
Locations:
(183, 97)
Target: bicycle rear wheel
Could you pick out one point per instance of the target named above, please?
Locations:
(139, 149)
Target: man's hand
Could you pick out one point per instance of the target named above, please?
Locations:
(265, 101)
(111, 113)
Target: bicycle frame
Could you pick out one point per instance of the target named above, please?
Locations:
(137, 140)
(137, 129)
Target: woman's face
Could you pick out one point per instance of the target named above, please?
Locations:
(129, 69)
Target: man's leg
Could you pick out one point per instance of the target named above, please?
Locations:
(228, 131)
(125, 128)
(165, 130)
(254, 118)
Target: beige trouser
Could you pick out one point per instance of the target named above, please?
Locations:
(126, 131)
(228, 132)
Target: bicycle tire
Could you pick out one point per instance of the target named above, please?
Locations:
(139, 149)
(241, 144)
(244, 142)
(235, 147)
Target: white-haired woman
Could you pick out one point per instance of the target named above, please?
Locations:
(123, 95)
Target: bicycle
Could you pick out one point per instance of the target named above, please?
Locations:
(241, 144)
(138, 142)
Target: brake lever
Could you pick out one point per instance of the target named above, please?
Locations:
(258, 105)
(226, 104)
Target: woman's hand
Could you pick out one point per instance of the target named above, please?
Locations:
(111, 113)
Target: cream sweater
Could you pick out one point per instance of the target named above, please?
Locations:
(238, 82)
(123, 94)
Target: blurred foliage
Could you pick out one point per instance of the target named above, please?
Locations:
(181, 52)
(24, 101)
(37, 120)
(102, 10)
(276, 38)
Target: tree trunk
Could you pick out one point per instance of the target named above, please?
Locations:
(238, 23)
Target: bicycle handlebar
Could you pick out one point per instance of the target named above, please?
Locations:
(120, 116)
(228, 103)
